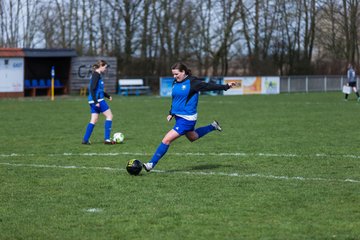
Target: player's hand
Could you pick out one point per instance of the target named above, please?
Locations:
(110, 98)
(169, 117)
(232, 84)
(97, 105)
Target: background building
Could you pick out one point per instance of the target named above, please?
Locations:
(27, 72)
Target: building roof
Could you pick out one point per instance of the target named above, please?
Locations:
(49, 52)
(37, 52)
(11, 52)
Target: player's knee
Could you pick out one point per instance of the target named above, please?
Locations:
(93, 120)
(167, 142)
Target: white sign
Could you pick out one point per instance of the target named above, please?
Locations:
(253, 85)
(11, 74)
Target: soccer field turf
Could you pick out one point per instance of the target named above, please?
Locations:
(284, 167)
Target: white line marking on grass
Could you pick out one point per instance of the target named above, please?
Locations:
(235, 154)
(254, 175)
(93, 210)
(16, 155)
(59, 166)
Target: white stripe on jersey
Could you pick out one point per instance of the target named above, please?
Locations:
(99, 100)
(188, 117)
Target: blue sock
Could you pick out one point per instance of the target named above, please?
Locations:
(89, 130)
(201, 131)
(107, 126)
(160, 152)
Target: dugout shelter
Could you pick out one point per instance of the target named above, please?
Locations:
(27, 71)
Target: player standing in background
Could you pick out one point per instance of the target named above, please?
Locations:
(185, 96)
(351, 78)
(98, 104)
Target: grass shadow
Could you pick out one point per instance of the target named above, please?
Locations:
(202, 167)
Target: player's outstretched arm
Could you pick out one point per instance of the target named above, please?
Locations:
(232, 84)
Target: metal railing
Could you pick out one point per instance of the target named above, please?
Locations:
(292, 84)
(289, 84)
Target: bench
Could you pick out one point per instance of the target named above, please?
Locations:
(36, 87)
(132, 87)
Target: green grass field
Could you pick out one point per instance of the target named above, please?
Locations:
(284, 167)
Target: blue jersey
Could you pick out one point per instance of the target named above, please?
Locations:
(96, 88)
(185, 95)
(351, 75)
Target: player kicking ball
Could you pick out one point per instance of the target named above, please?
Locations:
(185, 97)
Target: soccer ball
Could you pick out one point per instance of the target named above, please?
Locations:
(134, 167)
(118, 137)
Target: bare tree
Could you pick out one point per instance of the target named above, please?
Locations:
(30, 24)
(78, 26)
(218, 37)
(91, 28)
(61, 11)
(129, 14)
(306, 15)
(351, 9)
(336, 41)
(201, 46)
(224, 35)
(10, 15)
(260, 20)
(291, 24)
(172, 32)
(146, 41)
(162, 13)
(2, 23)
